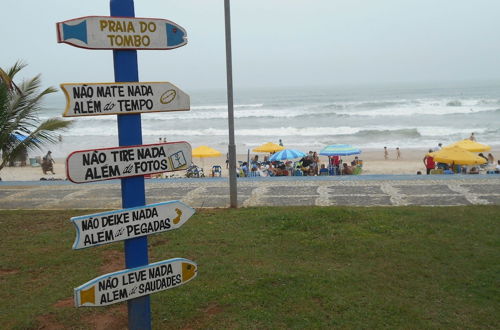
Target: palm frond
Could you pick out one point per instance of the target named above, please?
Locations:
(19, 108)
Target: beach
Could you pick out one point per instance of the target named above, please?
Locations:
(413, 117)
(373, 163)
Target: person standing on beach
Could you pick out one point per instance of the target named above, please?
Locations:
(429, 163)
(386, 153)
(398, 153)
(472, 137)
(281, 143)
(47, 163)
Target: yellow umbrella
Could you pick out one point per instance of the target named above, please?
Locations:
(204, 151)
(470, 146)
(268, 147)
(456, 155)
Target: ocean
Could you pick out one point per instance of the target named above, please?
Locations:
(368, 117)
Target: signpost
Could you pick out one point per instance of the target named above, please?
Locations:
(108, 227)
(122, 162)
(133, 283)
(104, 32)
(92, 99)
(127, 98)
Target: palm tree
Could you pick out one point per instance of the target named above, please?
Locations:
(19, 107)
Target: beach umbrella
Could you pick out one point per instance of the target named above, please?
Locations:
(268, 147)
(339, 150)
(20, 137)
(204, 151)
(456, 155)
(470, 146)
(287, 154)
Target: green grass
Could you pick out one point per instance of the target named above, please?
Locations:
(268, 268)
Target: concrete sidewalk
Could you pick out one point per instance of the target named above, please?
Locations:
(363, 190)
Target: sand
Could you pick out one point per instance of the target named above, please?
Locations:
(373, 163)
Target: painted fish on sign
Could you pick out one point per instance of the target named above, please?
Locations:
(135, 282)
(104, 32)
(94, 99)
(108, 227)
(122, 162)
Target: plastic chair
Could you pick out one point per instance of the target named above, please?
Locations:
(34, 163)
(216, 170)
(253, 173)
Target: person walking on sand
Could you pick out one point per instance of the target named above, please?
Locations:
(386, 153)
(429, 163)
(47, 163)
(398, 153)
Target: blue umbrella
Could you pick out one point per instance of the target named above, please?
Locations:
(339, 150)
(287, 154)
(19, 137)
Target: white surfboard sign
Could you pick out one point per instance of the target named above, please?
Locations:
(94, 99)
(113, 226)
(104, 32)
(135, 282)
(123, 162)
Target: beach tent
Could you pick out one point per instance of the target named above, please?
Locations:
(339, 150)
(287, 154)
(457, 156)
(268, 147)
(469, 145)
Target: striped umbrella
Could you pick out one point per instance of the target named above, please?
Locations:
(287, 154)
(339, 150)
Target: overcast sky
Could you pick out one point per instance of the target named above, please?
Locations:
(275, 42)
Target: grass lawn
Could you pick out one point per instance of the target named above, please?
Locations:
(276, 267)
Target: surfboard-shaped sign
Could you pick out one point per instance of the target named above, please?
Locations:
(122, 162)
(94, 99)
(104, 32)
(135, 282)
(108, 227)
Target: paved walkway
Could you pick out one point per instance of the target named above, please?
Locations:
(364, 190)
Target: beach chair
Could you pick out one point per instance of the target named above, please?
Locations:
(34, 163)
(216, 170)
(437, 171)
(253, 173)
(332, 170)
